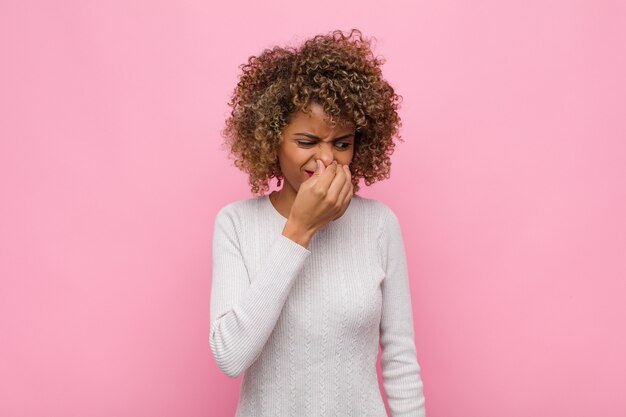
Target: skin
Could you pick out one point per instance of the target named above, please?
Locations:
(309, 202)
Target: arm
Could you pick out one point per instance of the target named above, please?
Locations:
(243, 314)
(400, 369)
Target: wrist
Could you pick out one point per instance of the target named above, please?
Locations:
(298, 233)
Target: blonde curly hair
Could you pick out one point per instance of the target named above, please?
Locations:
(339, 72)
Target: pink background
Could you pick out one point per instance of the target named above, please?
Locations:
(510, 188)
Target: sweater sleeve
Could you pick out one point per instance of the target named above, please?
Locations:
(244, 311)
(400, 369)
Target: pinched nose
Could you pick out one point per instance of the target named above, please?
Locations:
(326, 165)
(326, 155)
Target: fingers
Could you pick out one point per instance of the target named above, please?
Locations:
(349, 195)
(320, 167)
(346, 193)
(347, 186)
(326, 175)
(337, 183)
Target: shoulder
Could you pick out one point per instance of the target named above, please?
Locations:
(369, 205)
(376, 216)
(376, 209)
(385, 226)
(238, 210)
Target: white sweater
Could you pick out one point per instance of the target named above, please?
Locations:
(305, 324)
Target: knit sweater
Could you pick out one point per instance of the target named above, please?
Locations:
(304, 324)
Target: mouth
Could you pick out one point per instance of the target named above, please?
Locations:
(309, 173)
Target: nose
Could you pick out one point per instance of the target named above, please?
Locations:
(325, 153)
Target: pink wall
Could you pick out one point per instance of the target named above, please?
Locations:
(510, 188)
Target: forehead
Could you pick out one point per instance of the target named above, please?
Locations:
(316, 119)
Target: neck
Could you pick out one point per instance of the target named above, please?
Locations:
(283, 200)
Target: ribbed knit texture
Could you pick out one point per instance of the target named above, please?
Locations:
(304, 324)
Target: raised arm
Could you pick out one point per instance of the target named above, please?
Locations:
(400, 369)
(243, 314)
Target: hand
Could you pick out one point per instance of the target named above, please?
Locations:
(324, 197)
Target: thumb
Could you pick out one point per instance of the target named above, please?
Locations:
(320, 167)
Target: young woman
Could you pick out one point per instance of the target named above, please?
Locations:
(308, 280)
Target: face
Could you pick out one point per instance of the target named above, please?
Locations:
(308, 137)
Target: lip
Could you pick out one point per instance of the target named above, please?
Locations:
(309, 173)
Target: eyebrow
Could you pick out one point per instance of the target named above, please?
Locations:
(309, 135)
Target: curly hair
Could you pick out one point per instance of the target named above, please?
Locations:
(337, 71)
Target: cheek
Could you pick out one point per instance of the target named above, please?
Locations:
(347, 159)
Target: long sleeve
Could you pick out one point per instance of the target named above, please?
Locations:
(400, 369)
(244, 310)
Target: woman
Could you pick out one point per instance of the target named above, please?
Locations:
(309, 279)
